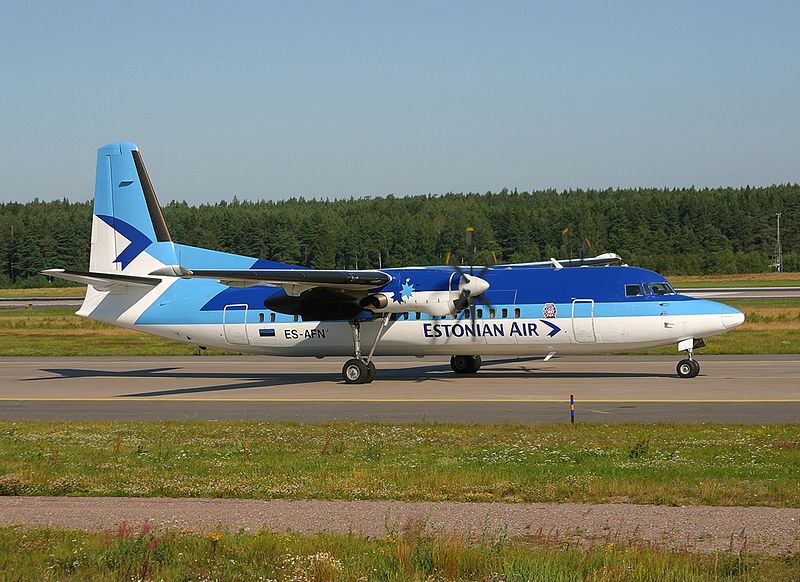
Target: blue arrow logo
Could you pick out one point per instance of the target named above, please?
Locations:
(554, 329)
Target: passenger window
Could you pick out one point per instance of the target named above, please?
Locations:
(417, 315)
(479, 314)
(516, 313)
(405, 315)
(633, 290)
(272, 318)
(260, 318)
(296, 317)
(492, 313)
(504, 313)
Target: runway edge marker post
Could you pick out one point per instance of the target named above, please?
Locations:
(572, 409)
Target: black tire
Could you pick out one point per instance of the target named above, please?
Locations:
(465, 364)
(461, 364)
(476, 364)
(355, 372)
(371, 370)
(696, 366)
(686, 369)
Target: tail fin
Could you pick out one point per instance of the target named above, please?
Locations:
(128, 230)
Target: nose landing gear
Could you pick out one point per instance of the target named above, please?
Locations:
(689, 367)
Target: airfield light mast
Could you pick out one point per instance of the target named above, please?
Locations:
(778, 248)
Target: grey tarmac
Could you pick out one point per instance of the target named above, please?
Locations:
(757, 529)
(745, 389)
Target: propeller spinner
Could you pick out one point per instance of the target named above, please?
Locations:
(471, 287)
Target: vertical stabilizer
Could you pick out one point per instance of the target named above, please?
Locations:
(129, 233)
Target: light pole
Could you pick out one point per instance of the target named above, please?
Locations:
(778, 249)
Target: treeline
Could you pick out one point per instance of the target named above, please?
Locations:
(680, 231)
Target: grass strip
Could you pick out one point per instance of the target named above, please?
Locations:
(139, 553)
(671, 464)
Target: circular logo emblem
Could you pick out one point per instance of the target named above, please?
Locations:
(549, 310)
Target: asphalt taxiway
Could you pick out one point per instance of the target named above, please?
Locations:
(747, 389)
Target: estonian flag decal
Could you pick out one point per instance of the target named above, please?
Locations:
(266, 332)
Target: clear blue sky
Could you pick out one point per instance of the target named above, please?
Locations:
(273, 99)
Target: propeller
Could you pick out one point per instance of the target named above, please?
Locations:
(471, 286)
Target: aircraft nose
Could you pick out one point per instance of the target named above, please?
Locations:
(732, 319)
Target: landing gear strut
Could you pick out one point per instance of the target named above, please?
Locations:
(359, 370)
(688, 367)
(465, 364)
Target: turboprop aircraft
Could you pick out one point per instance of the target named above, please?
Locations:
(140, 279)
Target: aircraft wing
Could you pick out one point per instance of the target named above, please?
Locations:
(103, 280)
(604, 259)
(294, 281)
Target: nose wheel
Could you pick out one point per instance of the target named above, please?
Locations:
(688, 368)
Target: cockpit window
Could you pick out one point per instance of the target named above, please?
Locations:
(659, 289)
(633, 290)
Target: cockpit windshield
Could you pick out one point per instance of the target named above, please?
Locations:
(658, 289)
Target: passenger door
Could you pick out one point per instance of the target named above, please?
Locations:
(234, 324)
(583, 321)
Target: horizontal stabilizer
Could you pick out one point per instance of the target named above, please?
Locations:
(103, 280)
(287, 278)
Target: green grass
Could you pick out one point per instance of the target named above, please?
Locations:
(662, 464)
(44, 292)
(57, 331)
(138, 553)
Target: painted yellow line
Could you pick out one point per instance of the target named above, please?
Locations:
(189, 399)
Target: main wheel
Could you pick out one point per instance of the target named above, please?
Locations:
(355, 372)
(476, 363)
(688, 368)
(371, 369)
(465, 364)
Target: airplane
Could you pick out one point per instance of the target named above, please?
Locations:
(140, 279)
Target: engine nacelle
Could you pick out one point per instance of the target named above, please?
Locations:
(375, 302)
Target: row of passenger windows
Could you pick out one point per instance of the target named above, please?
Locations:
(479, 313)
(491, 313)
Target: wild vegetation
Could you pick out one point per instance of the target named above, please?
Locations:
(661, 464)
(138, 552)
(722, 230)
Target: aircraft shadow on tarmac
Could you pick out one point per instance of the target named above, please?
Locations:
(248, 380)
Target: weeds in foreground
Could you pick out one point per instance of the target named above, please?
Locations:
(140, 553)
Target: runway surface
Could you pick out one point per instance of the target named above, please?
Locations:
(746, 389)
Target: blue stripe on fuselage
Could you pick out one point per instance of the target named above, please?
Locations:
(528, 289)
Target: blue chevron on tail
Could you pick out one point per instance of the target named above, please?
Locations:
(128, 230)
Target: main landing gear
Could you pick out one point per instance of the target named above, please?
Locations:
(689, 367)
(359, 370)
(465, 364)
